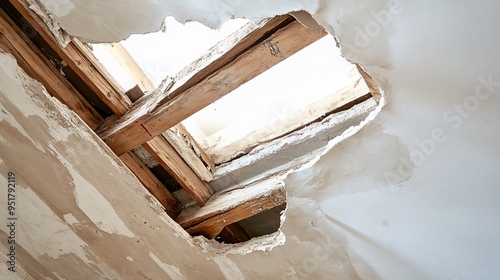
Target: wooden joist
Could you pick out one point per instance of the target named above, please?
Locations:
(177, 136)
(85, 66)
(29, 57)
(254, 54)
(73, 56)
(152, 184)
(166, 156)
(233, 233)
(161, 149)
(231, 206)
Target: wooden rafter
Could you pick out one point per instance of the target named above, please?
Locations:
(152, 184)
(233, 233)
(29, 57)
(177, 136)
(254, 54)
(232, 206)
(80, 63)
(85, 65)
(166, 155)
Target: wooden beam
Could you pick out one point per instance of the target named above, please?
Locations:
(29, 57)
(152, 116)
(166, 156)
(233, 233)
(177, 136)
(177, 140)
(82, 61)
(77, 61)
(152, 184)
(231, 206)
(123, 57)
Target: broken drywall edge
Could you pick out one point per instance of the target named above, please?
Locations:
(346, 134)
(295, 138)
(76, 127)
(315, 157)
(105, 28)
(50, 20)
(268, 242)
(263, 243)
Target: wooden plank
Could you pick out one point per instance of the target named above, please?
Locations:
(155, 115)
(39, 67)
(177, 136)
(230, 206)
(77, 61)
(196, 146)
(212, 227)
(77, 56)
(233, 233)
(372, 85)
(167, 157)
(123, 57)
(177, 140)
(152, 184)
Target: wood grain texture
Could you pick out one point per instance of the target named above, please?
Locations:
(233, 233)
(35, 64)
(80, 63)
(166, 156)
(152, 117)
(231, 206)
(152, 184)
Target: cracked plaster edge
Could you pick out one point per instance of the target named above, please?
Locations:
(262, 243)
(62, 37)
(268, 242)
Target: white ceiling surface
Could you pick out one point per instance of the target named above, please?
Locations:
(434, 219)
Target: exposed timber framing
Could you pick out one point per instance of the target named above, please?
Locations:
(238, 59)
(263, 48)
(165, 155)
(87, 67)
(230, 206)
(233, 233)
(29, 57)
(177, 136)
(152, 184)
(77, 61)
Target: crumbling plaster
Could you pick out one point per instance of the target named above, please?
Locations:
(411, 195)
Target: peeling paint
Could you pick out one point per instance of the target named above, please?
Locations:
(441, 218)
(172, 271)
(228, 268)
(98, 209)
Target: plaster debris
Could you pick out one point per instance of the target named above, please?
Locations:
(47, 10)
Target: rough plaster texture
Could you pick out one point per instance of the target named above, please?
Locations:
(411, 195)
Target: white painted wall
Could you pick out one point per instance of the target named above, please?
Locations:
(347, 218)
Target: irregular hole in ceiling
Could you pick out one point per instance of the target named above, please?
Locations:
(287, 98)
